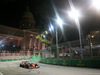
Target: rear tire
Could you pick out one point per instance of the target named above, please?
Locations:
(27, 66)
(20, 65)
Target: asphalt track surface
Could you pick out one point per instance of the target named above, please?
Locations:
(12, 68)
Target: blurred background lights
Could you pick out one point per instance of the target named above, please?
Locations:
(43, 36)
(52, 27)
(13, 45)
(2, 45)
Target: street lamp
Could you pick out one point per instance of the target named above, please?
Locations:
(96, 3)
(75, 15)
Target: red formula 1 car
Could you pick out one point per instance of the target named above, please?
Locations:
(27, 64)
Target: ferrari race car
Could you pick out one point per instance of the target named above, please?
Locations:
(28, 65)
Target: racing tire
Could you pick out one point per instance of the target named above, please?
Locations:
(28, 66)
(20, 65)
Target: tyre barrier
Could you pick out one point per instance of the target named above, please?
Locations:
(78, 63)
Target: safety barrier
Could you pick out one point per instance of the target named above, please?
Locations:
(66, 62)
(80, 63)
(34, 58)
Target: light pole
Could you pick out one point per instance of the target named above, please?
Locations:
(44, 49)
(75, 14)
(90, 45)
(60, 23)
(75, 17)
(57, 46)
(70, 50)
(51, 28)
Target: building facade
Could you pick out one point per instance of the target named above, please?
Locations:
(22, 41)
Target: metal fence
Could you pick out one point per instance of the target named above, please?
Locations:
(71, 50)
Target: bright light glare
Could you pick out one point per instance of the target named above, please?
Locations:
(52, 27)
(2, 45)
(46, 32)
(44, 36)
(96, 3)
(59, 21)
(74, 14)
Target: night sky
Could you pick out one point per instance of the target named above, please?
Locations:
(11, 12)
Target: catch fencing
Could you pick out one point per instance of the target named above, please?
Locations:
(71, 50)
